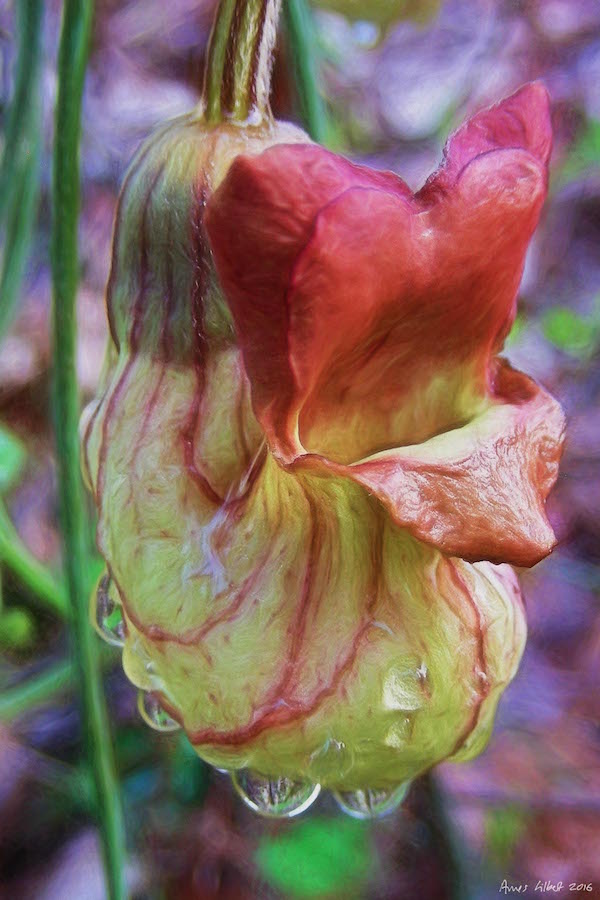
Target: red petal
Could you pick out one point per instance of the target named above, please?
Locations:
(367, 317)
(477, 492)
(260, 221)
(519, 122)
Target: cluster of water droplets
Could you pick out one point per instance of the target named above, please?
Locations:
(277, 798)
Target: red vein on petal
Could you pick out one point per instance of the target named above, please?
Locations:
(134, 337)
(481, 675)
(274, 713)
(199, 291)
(123, 198)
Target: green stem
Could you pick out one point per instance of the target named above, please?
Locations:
(19, 170)
(72, 61)
(302, 42)
(237, 80)
(30, 571)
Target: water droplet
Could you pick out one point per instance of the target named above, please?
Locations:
(107, 615)
(422, 672)
(154, 715)
(333, 759)
(278, 798)
(482, 676)
(371, 803)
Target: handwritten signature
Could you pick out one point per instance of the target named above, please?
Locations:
(545, 887)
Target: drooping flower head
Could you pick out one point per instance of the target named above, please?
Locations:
(311, 465)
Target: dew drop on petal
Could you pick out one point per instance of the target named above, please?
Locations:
(107, 615)
(278, 798)
(333, 758)
(154, 715)
(371, 803)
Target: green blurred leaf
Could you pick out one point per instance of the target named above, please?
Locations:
(384, 12)
(574, 334)
(15, 555)
(584, 154)
(189, 775)
(17, 628)
(12, 459)
(504, 828)
(516, 331)
(140, 786)
(318, 858)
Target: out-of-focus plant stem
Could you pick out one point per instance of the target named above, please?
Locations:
(72, 61)
(35, 691)
(19, 169)
(30, 571)
(447, 840)
(302, 42)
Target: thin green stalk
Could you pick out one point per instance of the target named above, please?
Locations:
(19, 169)
(29, 570)
(72, 61)
(302, 42)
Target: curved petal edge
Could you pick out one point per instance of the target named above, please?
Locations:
(477, 492)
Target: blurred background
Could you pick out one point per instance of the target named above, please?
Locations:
(528, 810)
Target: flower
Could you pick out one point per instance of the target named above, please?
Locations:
(310, 465)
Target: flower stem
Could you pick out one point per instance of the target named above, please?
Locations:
(72, 61)
(237, 81)
(301, 41)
